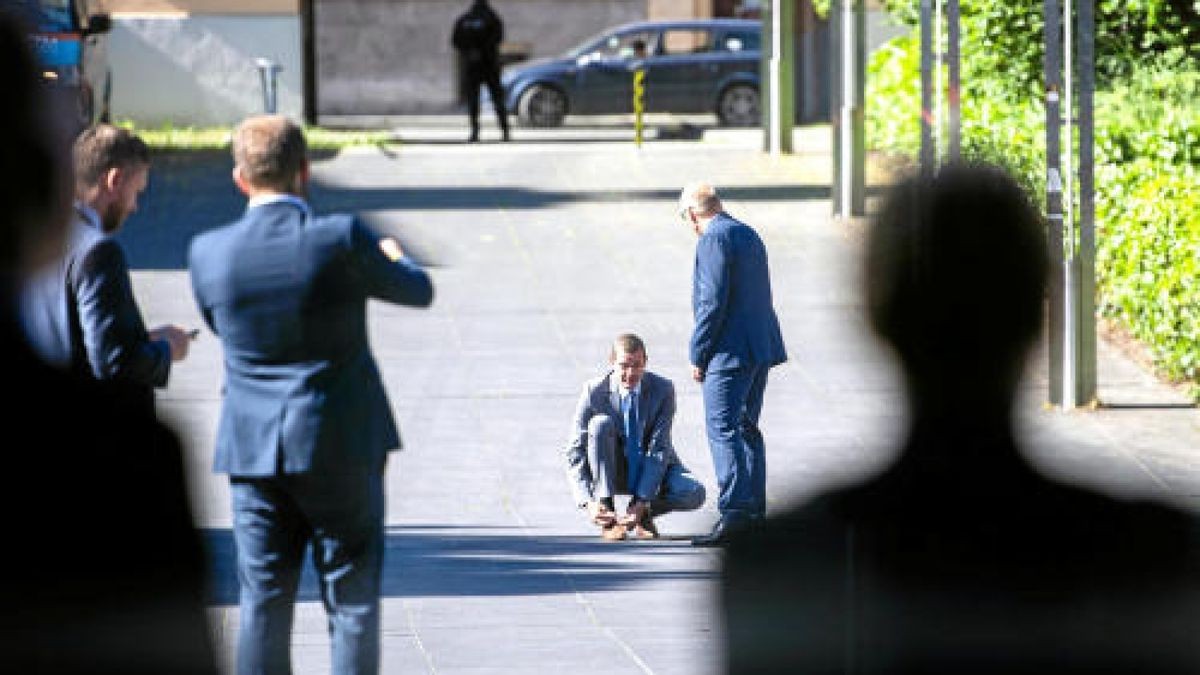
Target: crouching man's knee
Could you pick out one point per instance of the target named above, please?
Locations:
(693, 498)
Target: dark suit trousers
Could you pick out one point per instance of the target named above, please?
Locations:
(275, 519)
(485, 75)
(732, 404)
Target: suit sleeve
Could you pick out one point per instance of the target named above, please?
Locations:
(711, 302)
(115, 338)
(400, 282)
(654, 464)
(579, 474)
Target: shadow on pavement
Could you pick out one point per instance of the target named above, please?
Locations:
(189, 194)
(438, 561)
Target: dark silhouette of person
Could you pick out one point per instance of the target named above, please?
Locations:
(104, 571)
(960, 557)
(477, 36)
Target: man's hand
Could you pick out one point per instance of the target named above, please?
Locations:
(697, 373)
(635, 512)
(178, 339)
(391, 248)
(600, 513)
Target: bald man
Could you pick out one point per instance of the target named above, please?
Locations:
(735, 342)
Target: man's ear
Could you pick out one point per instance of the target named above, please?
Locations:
(240, 181)
(112, 179)
(303, 174)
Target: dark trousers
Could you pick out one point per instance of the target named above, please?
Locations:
(485, 75)
(732, 404)
(274, 519)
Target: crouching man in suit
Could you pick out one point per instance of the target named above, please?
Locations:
(620, 444)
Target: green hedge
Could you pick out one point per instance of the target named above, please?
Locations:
(1147, 177)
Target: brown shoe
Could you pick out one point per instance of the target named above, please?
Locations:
(614, 532)
(645, 528)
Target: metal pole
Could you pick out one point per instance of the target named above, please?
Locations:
(1052, 67)
(939, 55)
(928, 153)
(780, 68)
(1071, 266)
(953, 94)
(849, 199)
(1085, 371)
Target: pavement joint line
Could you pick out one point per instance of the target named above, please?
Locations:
(1120, 447)
(412, 625)
(506, 500)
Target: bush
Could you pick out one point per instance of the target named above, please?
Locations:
(1147, 162)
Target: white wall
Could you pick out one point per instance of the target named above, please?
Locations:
(199, 70)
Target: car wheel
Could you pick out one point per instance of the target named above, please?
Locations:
(542, 106)
(738, 106)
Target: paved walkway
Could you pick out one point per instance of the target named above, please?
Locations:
(541, 251)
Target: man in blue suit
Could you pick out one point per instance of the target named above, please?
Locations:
(81, 313)
(735, 341)
(306, 426)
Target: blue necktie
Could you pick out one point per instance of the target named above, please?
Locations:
(633, 453)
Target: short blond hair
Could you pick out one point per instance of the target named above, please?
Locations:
(701, 196)
(269, 151)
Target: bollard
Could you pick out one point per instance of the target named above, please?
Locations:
(639, 93)
(268, 71)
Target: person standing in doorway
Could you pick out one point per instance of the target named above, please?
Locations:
(477, 35)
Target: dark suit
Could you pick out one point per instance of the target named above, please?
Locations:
(960, 559)
(477, 35)
(82, 314)
(596, 468)
(306, 426)
(736, 340)
(105, 571)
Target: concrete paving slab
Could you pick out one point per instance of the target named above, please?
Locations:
(541, 252)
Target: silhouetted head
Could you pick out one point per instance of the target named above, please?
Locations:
(956, 269)
(270, 155)
(35, 175)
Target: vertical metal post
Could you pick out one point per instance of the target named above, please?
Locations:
(928, 153)
(782, 115)
(953, 98)
(849, 198)
(1085, 371)
(1052, 67)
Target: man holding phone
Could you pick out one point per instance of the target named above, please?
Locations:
(81, 314)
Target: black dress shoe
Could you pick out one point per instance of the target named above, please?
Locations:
(722, 531)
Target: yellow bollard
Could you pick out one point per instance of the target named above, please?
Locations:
(639, 93)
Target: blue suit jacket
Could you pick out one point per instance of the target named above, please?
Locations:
(735, 325)
(287, 294)
(82, 315)
(656, 415)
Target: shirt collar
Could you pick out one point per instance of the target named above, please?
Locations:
(279, 198)
(88, 214)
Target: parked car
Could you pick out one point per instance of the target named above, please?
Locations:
(72, 47)
(706, 65)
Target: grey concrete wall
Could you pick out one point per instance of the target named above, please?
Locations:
(199, 70)
(387, 57)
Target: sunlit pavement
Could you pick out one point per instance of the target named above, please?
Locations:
(541, 250)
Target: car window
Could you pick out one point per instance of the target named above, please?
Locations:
(637, 44)
(677, 41)
(741, 41)
(54, 16)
